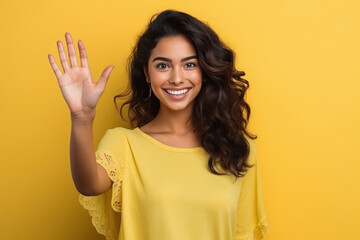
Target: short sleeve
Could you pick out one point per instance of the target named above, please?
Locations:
(105, 209)
(252, 222)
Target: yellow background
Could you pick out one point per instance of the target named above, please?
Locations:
(301, 58)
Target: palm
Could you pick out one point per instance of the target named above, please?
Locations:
(78, 89)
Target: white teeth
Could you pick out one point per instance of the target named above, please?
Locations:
(177, 92)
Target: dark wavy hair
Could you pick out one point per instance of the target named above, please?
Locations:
(220, 114)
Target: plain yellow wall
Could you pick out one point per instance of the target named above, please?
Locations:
(302, 59)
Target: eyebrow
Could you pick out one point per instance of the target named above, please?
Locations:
(169, 60)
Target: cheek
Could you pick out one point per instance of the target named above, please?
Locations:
(196, 77)
(157, 77)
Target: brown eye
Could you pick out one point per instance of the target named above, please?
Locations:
(162, 66)
(190, 65)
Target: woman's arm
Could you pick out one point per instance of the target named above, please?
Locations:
(81, 95)
(89, 177)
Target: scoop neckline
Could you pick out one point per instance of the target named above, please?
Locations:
(167, 147)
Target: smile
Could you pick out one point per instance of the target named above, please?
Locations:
(175, 92)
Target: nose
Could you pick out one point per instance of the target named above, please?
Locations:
(177, 76)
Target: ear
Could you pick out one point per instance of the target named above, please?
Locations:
(146, 74)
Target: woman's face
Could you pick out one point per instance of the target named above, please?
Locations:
(174, 73)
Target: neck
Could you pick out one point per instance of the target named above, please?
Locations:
(168, 120)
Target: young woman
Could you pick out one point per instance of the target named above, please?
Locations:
(188, 169)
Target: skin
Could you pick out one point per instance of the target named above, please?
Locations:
(173, 64)
(81, 93)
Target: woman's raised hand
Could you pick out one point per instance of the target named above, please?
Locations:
(77, 87)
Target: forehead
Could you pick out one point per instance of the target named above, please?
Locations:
(173, 47)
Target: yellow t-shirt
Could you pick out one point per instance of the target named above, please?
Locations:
(167, 193)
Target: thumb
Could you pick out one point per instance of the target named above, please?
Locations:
(100, 85)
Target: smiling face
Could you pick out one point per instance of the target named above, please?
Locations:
(174, 73)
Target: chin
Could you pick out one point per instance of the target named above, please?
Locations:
(177, 107)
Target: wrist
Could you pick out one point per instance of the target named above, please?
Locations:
(83, 117)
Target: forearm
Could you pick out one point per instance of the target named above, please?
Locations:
(84, 168)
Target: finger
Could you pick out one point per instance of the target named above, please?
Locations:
(54, 66)
(71, 50)
(62, 55)
(83, 55)
(100, 85)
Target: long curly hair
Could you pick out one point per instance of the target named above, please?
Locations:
(220, 113)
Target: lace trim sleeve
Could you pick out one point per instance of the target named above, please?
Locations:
(260, 231)
(252, 221)
(105, 209)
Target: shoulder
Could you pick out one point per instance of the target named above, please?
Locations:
(115, 136)
(251, 143)
(116, 142)
(118, 132)
(252, 150)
